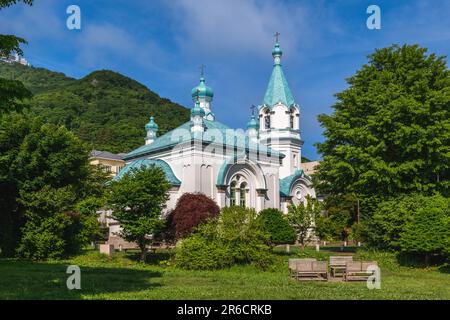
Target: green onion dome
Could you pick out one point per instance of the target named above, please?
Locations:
(202, 90)
(152, 125)
(253, 124)
(197, 111)
(277, 50)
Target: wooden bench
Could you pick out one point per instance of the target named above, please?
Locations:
(358, 270)
(308, 269)
(338, 265)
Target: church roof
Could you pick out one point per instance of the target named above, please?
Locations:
(231, 138)
(286, 183)
(278, 89)
(137, 164)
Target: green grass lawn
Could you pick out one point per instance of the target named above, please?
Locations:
(121, 277)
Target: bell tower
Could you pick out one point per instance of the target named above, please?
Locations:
(279, 117)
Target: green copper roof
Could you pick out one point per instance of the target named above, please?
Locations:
(278, 88)
(137, 164)
(230, 138)
(202, 90)
(286, 183)
(151, 125)
(253, 123)
(197, 111)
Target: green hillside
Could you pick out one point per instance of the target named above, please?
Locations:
(105, 109)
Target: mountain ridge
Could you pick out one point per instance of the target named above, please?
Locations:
(105, 109)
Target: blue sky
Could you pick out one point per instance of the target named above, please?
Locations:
(162, 44)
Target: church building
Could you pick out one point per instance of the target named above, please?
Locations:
(259, 167)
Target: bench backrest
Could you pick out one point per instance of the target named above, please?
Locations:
(367, 264)
(353, 266)
(340, 260)
(320, 266)
(293, 262)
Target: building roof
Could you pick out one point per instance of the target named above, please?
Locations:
(230, 138)
(106, 155)
(286, 183)
(137, 164)
(278, 89)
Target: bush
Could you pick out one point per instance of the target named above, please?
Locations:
(384, 229)
(277, 226)
(427, 233)
(192, 210)
(235, 237)
(415, 224)
(50, 238)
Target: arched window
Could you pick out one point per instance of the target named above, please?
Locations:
(233, 194)
(267, 120)
(292, 118)
(243, 195)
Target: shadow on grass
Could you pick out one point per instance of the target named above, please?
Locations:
(29, 280)
(152, 258)
(419, 261)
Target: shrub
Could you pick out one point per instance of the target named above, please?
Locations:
(387, 226)
(235, 237)
(275, 223)
(427, 233)
(192, 210)
(50, 238)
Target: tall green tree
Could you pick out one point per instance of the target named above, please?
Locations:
(137, 201)
(12, 93)
(44, 171)
(390, 130)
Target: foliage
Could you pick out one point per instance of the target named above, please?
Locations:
(340, 214)
(104, 109)
(414, 224)
(276, 224)
(12, 92)
(302, 217)
(235, 237)
(137, 201)
(193, 209)
(427, 232)
(390, 130)
(44, 172)
(7, 3)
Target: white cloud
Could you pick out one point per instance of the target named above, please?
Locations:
(223, 27)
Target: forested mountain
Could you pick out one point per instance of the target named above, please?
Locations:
(105, 109)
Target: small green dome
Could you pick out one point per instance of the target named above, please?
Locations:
(253, 124)
(202, 90)
(152, 125)
(197, 111)
(277, 51)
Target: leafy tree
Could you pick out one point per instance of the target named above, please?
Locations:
(193, 209)
(390, 130)
(12, 92)
(301, 218)
(276, 224)
(427, 232)
(37, 162)
(137, 201)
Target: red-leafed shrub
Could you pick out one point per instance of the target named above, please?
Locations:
(192, 210)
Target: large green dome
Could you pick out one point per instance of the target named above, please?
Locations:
(202, 90)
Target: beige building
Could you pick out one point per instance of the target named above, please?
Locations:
(309, 168)
(109, 162)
